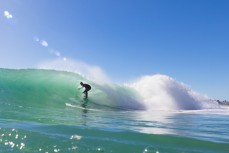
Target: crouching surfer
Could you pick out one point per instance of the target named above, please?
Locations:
(87, 88)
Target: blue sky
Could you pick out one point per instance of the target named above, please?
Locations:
(185, 39)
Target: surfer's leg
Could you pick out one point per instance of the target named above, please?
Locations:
(85, 95)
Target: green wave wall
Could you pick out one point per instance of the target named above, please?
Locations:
(37, 87)
(43, 88)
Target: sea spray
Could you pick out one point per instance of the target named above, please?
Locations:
(91, 72)
(161, 92)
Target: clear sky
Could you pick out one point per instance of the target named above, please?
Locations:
(185, 39)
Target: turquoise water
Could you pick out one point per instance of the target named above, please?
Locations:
(43, 111)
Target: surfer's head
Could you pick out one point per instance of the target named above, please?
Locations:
(81, 83)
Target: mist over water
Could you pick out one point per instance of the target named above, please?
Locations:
(86, 70)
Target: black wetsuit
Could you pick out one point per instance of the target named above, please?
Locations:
(87, 88)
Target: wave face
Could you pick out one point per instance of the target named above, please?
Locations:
(45, 88)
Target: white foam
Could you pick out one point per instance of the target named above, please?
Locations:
(165, 93)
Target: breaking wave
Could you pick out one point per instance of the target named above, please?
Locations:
(43, 88)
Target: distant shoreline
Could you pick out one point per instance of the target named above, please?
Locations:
(224, 102)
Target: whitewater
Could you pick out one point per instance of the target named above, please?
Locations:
(42, 110)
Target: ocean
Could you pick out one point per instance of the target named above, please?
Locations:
(43, 111)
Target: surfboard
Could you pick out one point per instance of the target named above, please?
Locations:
(80, 107)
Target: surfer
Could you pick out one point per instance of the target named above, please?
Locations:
(87, 88)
